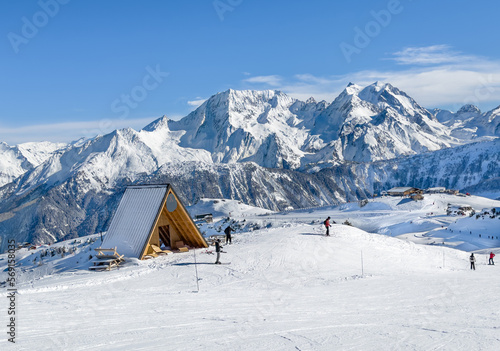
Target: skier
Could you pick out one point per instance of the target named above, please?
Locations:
(328, 225)
(472, 260)
(218, 249)
(227, 231)
(491, 258)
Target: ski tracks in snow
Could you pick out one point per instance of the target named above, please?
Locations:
(286, 288)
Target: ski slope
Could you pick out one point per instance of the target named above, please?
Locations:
(287, 287)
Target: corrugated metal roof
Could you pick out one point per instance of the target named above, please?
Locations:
(400, 189)
(133, 219)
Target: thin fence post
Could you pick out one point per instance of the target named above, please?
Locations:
(196, 270)
(362, 267)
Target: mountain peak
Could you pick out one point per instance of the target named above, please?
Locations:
(352, 89)
(372, 93)
(238, 96)
(156, 124)
(380, 85)
(469, 108)
(239, 93)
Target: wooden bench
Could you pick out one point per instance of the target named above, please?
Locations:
(159, 251)
(106, 259)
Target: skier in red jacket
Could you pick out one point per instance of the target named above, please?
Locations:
(491, 258)
(328, 225)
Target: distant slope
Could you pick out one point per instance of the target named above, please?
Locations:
(470, 123)
(16, 160)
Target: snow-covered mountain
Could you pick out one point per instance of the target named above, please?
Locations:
(259, 126)
(261, 147)
(105, 161)
(85, 201)
(274, 130)
(470, 123)
(16, 160)
(380, 122)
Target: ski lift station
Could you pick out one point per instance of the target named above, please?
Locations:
(151, 220)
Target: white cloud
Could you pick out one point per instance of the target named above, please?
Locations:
(69, 131)
(300, 86)
(449, 79)
(273, 80)
(310, 79)
(442, 86)
(430, 55)
(196, 103)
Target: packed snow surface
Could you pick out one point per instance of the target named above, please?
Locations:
(284, 286)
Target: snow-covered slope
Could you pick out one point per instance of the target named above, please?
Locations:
(470, 123)
(287, 287)
(462, 167)
(225, 208)
(103, 162)
(12, 163)
(16, 160)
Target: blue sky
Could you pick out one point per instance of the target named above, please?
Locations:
(73, 68)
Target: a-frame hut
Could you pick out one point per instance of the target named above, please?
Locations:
(150, 217)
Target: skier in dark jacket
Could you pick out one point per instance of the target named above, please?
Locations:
(227, 231)
(472, 260)
(218, 248)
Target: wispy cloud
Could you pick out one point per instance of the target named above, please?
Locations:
(430, 55)
(435, 76)
(69, 131)
(300, 86)
(196, 103)
(273, 80)
(442, 86)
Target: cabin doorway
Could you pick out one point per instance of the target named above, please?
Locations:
(164, 232)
